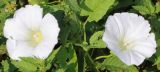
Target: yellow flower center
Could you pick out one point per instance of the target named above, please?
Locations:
(125, 44)
(37, 37)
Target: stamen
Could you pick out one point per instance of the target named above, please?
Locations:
(37, 37)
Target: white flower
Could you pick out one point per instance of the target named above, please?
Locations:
(127, 35)
(30, 35)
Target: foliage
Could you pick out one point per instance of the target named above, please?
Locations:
(80, 47)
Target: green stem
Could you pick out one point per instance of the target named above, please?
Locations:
(54, 2)
(84, 28)
(90, 63)
(80, 59)
(104, 57)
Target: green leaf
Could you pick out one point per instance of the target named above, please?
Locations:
(51, 58)
(7, 7)
(74, 26)
(72, 65)
(95, 9)
(158, 66)
(60, 70)
(25, 67)
(2, 49)
(157, 7)
(114, 64)
(27, 64)
(52, 55)
(54, 8)
(6, 66)
(61, 56)
(96, 40)
(142, 10)
(64, 33)
(34, 61)
(71, 31)
(155, 24)
(157, 56)
(66, 59)
(37, 1)
(73, 4)
(124, 3)
(145, 7)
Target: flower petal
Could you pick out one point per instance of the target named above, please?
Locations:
(130, 58)
(136, 58)
(44, 49)
(14, 29)
(18, 49)
(146, 46)
(114, 27)
(50, 31)
(127, 35)
(50, 28)
(10, 44)
(125, 57)
(31, 16)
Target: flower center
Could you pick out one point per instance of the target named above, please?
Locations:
(37, 37)
(125, 44)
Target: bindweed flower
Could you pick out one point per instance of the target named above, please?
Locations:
(128, 36)
(29, 34)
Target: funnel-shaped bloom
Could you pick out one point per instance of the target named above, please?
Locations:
(128, 36)
(30, 34)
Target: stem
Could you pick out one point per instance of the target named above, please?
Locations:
(54, 2)
(81, 60)
(90, 63)
(104, 57)
(92, 52)
(84, 28)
